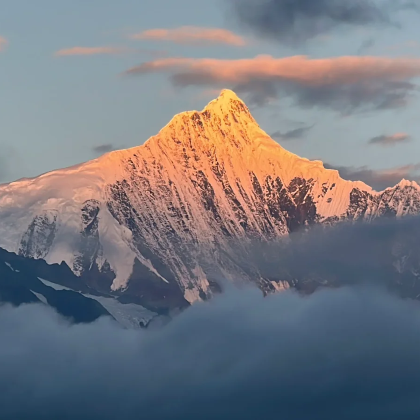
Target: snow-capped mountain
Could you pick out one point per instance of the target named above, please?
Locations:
(163, 223)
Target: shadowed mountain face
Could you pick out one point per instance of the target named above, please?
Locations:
(26, 280)
(162, 224)
(20, 284)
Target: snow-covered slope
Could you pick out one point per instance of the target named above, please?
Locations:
(164, 222)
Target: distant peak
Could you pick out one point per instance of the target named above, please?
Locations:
(406, 183)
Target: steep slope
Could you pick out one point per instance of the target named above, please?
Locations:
(163, 223)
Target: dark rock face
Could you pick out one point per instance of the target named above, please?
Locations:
(90, 247)
(304, 212)
(90, 251)
(37, 240)
(360, 201)
(145, 286)
(404, 199)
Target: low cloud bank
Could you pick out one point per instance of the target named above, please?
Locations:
(384, 252)
(338, 354)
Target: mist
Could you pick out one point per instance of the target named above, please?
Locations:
(337, 354)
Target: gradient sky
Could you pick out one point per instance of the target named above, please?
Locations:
(60, 107)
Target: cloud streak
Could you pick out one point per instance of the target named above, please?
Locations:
(366, 45)
(390, 140)
(295, 22)
(103, 148)
(86, 51)
(296, 133)
(192, 35)
(347, 84)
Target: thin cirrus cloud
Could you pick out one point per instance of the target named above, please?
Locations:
(295, 22)
(192, 35)
(378, 179)
(390, 140)
(103, 148)
(348, 84)
(3, 43)
(295, 134)
(366, 45)
(84, 51)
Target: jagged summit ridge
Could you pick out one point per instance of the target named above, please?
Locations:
(223, 118)
(407, 183)
(225, 96)
(165, 221)
(227, 102)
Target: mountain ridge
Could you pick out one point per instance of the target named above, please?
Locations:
(162, 223)
(225, 93)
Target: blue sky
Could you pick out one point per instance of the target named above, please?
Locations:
(55, 110)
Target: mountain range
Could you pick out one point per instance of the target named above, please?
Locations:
(164, 224)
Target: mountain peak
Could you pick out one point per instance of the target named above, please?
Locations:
(227, 94)
(226, 103)
(225, 119)
(407, 183)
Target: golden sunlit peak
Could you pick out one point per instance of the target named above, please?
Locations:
(226, 102)
(228, 94)
(225, 97)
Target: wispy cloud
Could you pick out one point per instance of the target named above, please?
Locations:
(294, 22)
(106, 50)
(294, 134)
(366, 45)
(347, 84)
(378, 179)
(390, 140)
(104, 148)
(3, 43)
(192, 35)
